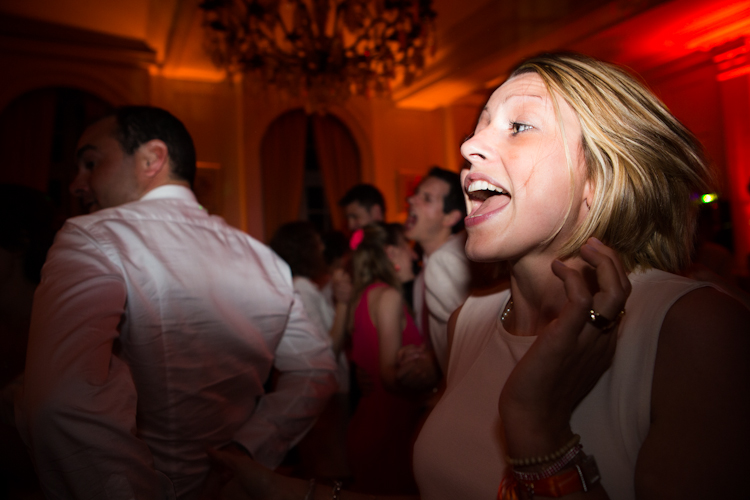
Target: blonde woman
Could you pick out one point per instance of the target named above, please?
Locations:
(383, 427)
(580, 179)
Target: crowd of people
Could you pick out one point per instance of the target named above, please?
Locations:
(173, 356)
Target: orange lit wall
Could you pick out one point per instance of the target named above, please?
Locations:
(122, 18)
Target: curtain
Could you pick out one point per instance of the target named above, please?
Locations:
(26, 135)
(338, 158)
(282, 159)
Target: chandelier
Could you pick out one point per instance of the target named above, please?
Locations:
(322, 49)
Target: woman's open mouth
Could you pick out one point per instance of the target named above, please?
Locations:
(484, 199)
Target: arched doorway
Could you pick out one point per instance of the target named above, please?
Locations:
(38, 135)
(308, 162)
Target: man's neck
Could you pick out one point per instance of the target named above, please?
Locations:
(430, 246)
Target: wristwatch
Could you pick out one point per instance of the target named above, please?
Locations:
(582, 477)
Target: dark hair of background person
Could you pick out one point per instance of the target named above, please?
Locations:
(336, 246)
(366, 195)
(299, 244)
(26, 226)
(137, 125)
(454, 200)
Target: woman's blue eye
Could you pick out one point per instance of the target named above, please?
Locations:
(519, 127)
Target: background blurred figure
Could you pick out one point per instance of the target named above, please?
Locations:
(384, 425)
(363, 204)
(323, 450)
(300, 245)
(712, 261)
(26, 232)
(435, 223)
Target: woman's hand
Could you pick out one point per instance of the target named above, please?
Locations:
(416, 368)
(567, 358)
(341, 283)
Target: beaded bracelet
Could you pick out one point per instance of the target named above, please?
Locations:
(515, 462)
(553, 469)
(336, 490)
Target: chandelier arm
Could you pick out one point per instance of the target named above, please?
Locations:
(365, 34)
(298, 43)
(273, 48)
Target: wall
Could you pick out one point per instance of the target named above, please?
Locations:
(208, 110)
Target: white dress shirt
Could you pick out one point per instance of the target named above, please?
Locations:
(321, 311)
(153, 330)
(443, 285)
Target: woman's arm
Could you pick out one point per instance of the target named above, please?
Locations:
(342, 294)
(563, 364)
(387, 312)
(698, 443)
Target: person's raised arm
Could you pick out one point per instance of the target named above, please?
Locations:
(564, 363)
(77, 413)
(698, 441)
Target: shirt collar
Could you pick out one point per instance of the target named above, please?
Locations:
(172, 191)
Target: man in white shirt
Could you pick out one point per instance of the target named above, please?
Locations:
(154, 328)
(436, 216)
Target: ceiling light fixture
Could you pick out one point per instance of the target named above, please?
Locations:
(324, 50)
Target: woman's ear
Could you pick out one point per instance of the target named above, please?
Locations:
(588, 194)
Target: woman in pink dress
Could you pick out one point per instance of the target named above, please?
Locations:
(382, 429)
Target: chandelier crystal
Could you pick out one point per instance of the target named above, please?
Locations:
(322, 49)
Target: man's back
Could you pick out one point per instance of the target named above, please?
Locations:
(203, 313)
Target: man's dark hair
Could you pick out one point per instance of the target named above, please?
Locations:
(298, 243)
(454, 200)
(137, 125)
(366, 195)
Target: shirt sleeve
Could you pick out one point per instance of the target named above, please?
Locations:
(312, 302)
(306, 366)
(77, 409)
(447, 284)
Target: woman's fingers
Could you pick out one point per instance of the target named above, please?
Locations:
(572, 317)
(614, 287)
(605, 250)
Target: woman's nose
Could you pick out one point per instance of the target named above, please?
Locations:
(474, 148)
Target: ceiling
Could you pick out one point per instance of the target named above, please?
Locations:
(478, 40)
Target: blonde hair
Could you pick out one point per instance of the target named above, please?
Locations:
(643, 164)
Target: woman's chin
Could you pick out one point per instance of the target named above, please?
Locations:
(480, 253)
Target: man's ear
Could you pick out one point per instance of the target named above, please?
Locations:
(452, 218)
(376, 213)
(153, 159)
